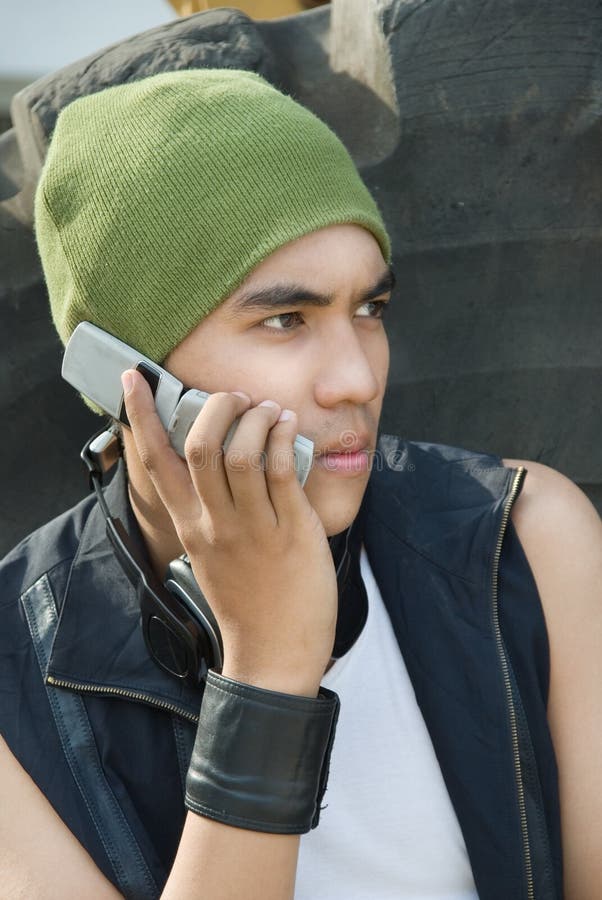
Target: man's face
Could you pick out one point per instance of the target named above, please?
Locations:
(304, 329)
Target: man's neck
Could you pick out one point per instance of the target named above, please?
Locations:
(157, 529)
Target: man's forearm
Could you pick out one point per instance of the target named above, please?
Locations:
(41, 859)
(225, 863)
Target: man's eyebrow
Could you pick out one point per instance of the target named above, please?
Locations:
(279, 296)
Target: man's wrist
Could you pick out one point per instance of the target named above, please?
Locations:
(261, 757)
(290, 682)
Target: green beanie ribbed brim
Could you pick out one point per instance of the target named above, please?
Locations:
(159, 197)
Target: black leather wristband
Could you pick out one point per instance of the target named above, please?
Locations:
(261, 758)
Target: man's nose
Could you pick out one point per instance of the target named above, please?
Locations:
(349, 368)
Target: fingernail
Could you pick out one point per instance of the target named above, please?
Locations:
(285, 415)
(268, 403)
(127, 381)
(241, 394)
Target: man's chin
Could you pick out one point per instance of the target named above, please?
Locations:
(337, 504)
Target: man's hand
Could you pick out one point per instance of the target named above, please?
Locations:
(257, 547)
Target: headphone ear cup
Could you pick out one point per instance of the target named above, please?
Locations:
(183, 586)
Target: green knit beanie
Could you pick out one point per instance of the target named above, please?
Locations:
(159, 197)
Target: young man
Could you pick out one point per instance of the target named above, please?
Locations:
(220, 229)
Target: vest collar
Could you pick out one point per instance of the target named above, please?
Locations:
(99, 601)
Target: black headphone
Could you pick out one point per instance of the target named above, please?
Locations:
(180, 630)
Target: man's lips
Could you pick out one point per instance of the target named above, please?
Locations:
(346, 457)
(353, 445)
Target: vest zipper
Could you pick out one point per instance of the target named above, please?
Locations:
(121, 692)
(514, 490)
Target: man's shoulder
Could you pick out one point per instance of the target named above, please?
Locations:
(559, 529)
(43, 551)
(561, 533)
(547, 489)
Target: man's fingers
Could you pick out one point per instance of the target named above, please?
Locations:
(254, 477)
(167, 471)
(286, 494)
(204, 449)
(245, 463)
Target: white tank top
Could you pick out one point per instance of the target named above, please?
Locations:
(389, 831)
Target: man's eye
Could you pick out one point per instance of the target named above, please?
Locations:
(290, 321)
(376, 309)
(284, 322)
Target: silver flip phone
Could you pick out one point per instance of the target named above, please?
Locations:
(93, 363)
